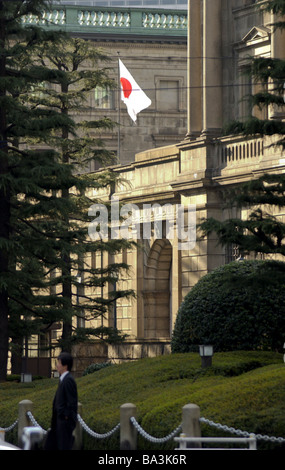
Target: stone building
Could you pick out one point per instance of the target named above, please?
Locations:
(191, 172)
(222, 34)
(152, 44)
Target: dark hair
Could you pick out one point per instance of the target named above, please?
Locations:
(66, 359)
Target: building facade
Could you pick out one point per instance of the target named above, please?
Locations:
(222, 34)
(152, 44)
(191, 172)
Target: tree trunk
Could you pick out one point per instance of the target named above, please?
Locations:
(16, 355)
(67, 285)
(67, 295)
(4, 215)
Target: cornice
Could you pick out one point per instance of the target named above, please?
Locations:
(135, 40)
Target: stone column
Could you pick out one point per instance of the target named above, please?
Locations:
(175, 282)
(194, 76)
(277, 52)
(212, 67)
(277, 39)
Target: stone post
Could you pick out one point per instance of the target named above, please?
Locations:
(191, 423)
(128, 433)
(23, 420)
(77, 433)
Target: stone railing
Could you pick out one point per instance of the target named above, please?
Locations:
(107, 19)
(54, 17)
(236, 151)
(164, 21)
(104, 19)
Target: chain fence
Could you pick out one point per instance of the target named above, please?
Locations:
(158, 440)
(240, 433)
(9, 428)
(95, 434)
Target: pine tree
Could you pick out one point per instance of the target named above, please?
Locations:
(74, 68)
(37, 227)
(262, 232)
(17, 121)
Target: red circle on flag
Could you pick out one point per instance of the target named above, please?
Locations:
(127, 87)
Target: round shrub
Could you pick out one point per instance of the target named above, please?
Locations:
(239, 306)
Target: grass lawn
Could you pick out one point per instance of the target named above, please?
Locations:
(245, 390)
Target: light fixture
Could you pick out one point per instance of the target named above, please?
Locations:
(206, 352)
(25, 377)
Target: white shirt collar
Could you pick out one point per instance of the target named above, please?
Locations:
(63, 375)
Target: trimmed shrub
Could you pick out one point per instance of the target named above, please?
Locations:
(95, 367)
(239, 306)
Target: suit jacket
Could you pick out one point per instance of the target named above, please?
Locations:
(65, 402)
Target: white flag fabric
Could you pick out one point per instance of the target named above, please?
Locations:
(132, 95)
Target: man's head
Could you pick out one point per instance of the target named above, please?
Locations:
(64, 362)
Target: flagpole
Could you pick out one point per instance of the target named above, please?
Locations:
(119, 112)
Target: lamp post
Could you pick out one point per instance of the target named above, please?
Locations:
(206, 352)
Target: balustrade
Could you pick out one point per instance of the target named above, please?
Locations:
(238, 152)
(133, 20)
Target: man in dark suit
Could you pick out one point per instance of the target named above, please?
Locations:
(64, 412)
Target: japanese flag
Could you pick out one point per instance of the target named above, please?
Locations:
(132, 95)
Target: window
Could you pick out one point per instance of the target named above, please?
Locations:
(104, 98)
(245, 91)
(256, 43)
(168, 95)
